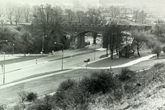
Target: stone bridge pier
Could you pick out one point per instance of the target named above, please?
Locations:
(80, 39)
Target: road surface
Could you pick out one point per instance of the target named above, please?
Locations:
(17, 71)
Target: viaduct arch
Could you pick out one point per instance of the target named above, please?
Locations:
(79, 31)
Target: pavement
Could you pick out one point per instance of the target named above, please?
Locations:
(126, 64)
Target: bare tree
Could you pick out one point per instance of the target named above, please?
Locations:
(1, 11)
(114, 11)
(139, 17)
(1, 15)
(10, 12)
(26, 12)
(94, 16)
(17, 14)
(112, 37)
(80, 16)
(70, 15)
(140, 38)
(47, 20)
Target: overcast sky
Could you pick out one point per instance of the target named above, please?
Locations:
(155, 6)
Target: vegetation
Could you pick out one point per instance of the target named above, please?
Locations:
(140, 38)
(157, 50)
(163, 49)
(126, 74)
(47, 27)
(102, 87)
(112, 38)
(159, 30)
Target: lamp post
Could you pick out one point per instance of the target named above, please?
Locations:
(62, 52)
(13, 49)
(3, 67)
(95, 52)
(95, 49)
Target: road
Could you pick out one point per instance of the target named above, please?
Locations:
(74, 58)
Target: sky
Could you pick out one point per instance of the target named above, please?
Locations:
(154, 6)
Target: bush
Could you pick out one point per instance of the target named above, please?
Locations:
(2, 107)
(163, 49)
(101, 81)
(68, 84)
(41, 104)
(159, 65)
(157, 50)
(126, 74)
(31, 96)
(72, 95)
(72, 99)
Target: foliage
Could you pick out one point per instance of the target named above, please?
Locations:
(71, 98)
(112, 37)
(31, 96)
(140, 38)
(163, 49)
(159, 30)
(93, 16)
(41, 104)
(27, 96)
(65, 85)
(157, 50)
(47, 21)
(100, 87)
(80, 16)
(159, 65)
(70, 16)
(140, 16)
(72, 95)
(101, 81)
(126, 74)
(152, 42)
(18, 107)
(2, 107)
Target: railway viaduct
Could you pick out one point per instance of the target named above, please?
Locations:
(79, 31)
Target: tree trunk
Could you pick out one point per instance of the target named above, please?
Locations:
(157, 55)
(111, 53)
(11, 22)
(94, 37)
(107, 52)
(117, 52)
(138, 52)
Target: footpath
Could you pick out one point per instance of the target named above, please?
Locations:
(141, 59)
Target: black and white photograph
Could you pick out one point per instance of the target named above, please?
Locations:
(82, 55)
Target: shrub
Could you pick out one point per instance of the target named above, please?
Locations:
(126, 74)
(101, 81)
(163, 49)
(157, 50)
(72, 95)
(31, 96)
(41, 104)
(2, 107)
(159, 65)
(72, 99)
(18, 107)
(65, 85)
